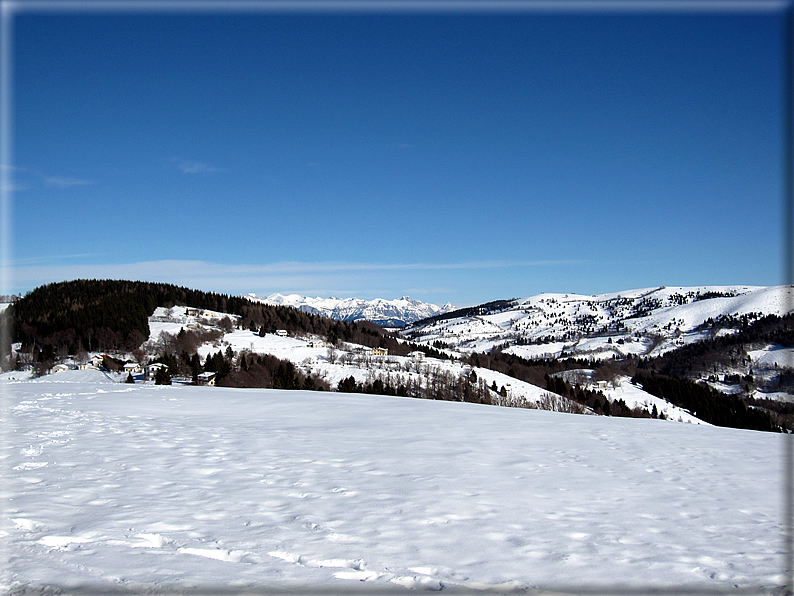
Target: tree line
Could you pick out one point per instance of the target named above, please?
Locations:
(234, 369)
(63, 318)
(706, 403)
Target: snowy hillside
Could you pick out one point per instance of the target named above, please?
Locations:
(313, 357)
(387, 313)
(151, 489)
(643, 322)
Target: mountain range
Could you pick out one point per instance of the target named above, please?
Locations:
(643, 322)
(386, 313)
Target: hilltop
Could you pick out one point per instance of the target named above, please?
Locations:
(645, 322)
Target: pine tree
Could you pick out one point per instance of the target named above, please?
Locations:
(348, 385)
(163, 377)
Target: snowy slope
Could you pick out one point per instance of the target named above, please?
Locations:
(388, 313)
(633, 396)
(142, 488)
(647, 321)
(304, 353)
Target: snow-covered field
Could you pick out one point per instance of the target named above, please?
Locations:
(147, 488)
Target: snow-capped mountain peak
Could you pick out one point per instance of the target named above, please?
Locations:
(388, 313)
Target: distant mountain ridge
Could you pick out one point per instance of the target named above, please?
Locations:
(643, 322)
(386, 313)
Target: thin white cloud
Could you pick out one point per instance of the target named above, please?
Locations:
(51, 258)
(244, 277)
(293, 267)
(65, 182)
(196, 167)
(13, 187)
(17, 178)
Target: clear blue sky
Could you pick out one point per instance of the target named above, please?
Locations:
(461, 157)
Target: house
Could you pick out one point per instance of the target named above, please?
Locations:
(416, 356)
(206, 378)
(97, 360)
(132, 367)
(281, 332)
(152, 370)
(380, 351)
(60, 368)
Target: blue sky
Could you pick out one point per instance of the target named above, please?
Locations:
(451, 156)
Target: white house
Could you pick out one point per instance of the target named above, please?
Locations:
(206, 378)
(153, 368)
(132, 367)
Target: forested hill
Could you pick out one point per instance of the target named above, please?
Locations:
(113, 314)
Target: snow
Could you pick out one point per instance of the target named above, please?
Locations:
(774, 395)
(655, 320)
(402, 309)
(283, 347)
(769, 300)
(635, 397)
(145, 488)
(773, 355)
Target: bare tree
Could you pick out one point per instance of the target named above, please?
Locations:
(226, 325)
(81, 357)
(556, 403)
